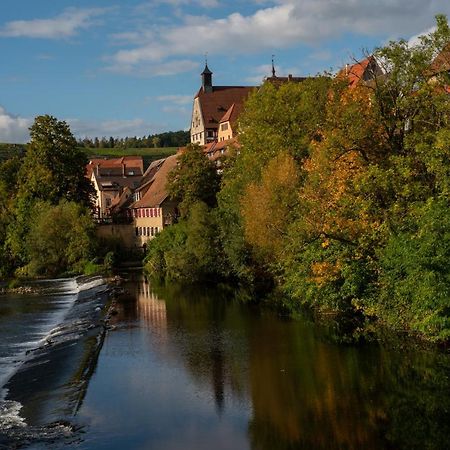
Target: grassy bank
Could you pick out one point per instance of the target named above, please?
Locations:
(148, 154)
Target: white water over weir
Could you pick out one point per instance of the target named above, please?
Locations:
(34, 323)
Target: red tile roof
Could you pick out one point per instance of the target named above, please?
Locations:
(157, 192)
(360, 72)
(215, 150)
(216, 103)
(233, 113)
(114, 165)
(442, 61)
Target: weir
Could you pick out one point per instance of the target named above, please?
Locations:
(44, 338)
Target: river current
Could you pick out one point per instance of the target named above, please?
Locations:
(194, 368)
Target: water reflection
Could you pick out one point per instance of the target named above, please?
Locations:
(300, 390)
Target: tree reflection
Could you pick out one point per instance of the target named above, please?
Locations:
(306, 391)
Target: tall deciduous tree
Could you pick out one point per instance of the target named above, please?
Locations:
(61, 238)
(275, 120)
(53, 169)
(194, 179)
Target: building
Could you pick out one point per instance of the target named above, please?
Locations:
(441, 64)
(211, 104)
(362, 72)
(228, 123)
(153, 209)
(114, 180)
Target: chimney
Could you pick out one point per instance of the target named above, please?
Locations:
(290, 77)
(346, 69)
(123, 170)
(97, 169)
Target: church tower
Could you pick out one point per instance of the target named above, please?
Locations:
(207, 79)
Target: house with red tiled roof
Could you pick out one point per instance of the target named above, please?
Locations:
(113, 179)
(216, 150)
(441, 63)
(362, 72)
(210, 105)
(153, 208)
(440, 66)
(228, 123)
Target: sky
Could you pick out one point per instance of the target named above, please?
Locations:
(132, 67)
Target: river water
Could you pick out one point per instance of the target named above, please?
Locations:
(195, 369)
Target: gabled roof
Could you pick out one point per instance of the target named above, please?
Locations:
(114, 165)
(121, 200)
(116, 183)
(157, 192)
(233, 113)
(216, 103)
(150, 173)
(360, 72)
(442, 61)
(215, 150)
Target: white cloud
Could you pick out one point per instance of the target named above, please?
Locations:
(153, 69)
(285, 23)
(14, 129)
(67, 24)
(414, 40)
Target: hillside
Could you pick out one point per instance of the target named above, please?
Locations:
(9, 150)
(148, 154)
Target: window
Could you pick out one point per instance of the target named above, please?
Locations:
(148, 231)
(152, 232)
(224, 126)
(136, 230)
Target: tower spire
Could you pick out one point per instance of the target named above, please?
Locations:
(207, 77)
(273, 66)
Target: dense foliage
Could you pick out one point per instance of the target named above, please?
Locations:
(45, 225)
(189, 249)
(194, 179)
(167, 139)
(339, 195)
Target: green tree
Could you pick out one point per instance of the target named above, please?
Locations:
(8, 186)
(156, 141)
(61, 239)
(53, 169)
(275, 120)
(382, 162)
(194, 179)
(188, 251)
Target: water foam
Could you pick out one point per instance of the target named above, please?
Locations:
(10, 415)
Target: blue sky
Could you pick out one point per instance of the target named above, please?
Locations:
(131, 67)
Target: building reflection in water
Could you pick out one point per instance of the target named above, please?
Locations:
(151, 309)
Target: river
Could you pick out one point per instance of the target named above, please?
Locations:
(193, 368)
